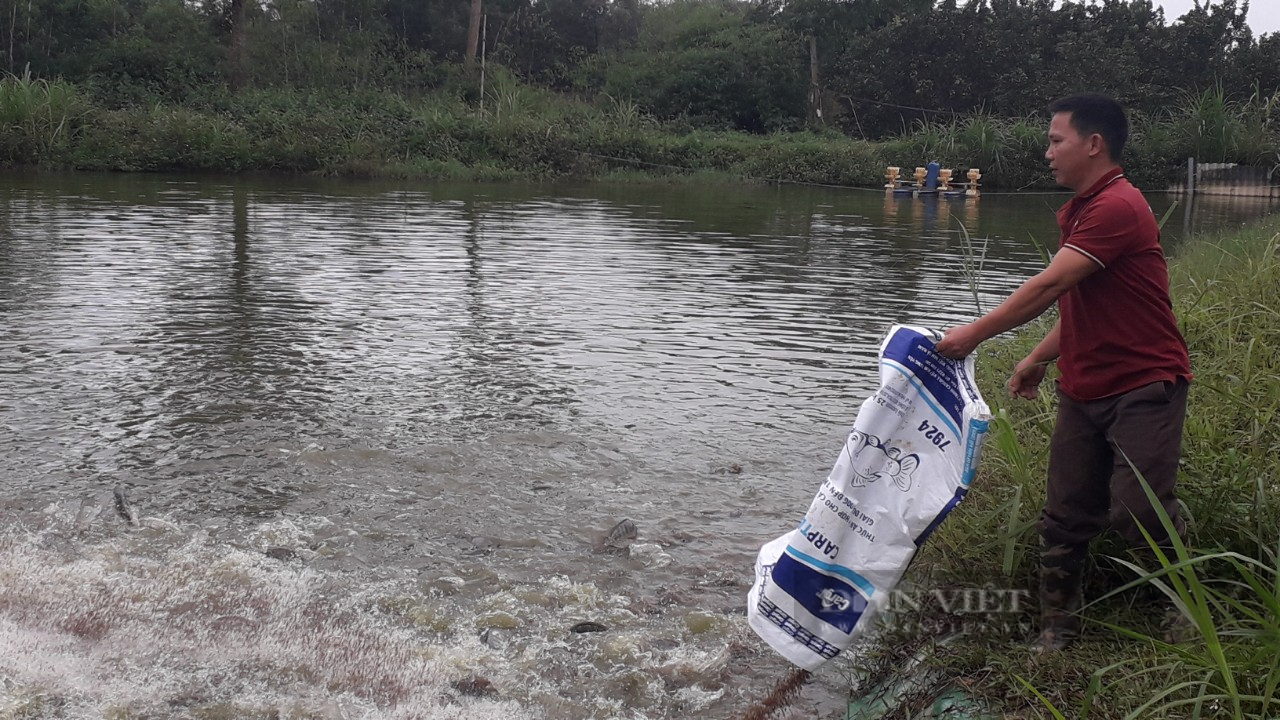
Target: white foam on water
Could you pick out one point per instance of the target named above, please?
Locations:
(94, 628)
(239, 617)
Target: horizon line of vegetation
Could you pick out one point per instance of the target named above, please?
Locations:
(517, 131)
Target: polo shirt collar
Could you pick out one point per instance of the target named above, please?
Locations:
(1111, 176)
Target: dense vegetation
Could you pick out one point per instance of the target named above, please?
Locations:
(817, 90)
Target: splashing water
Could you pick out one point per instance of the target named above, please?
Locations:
(154, 626)
(105, 620)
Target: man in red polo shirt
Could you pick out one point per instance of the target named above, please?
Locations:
(1123, 364)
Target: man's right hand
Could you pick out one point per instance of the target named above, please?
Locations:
(1026, 379)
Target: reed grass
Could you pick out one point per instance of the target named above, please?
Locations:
(1216, 127)
(515, 130)
(1010, 152)
(37, 118)
(518, 132)
(1230, 666)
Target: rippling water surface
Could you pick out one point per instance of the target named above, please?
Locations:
(375, 434)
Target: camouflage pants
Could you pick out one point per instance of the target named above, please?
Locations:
(1061, 575)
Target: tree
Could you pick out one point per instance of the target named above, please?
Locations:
(827, 26)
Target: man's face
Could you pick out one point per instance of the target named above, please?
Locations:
(1070, 154)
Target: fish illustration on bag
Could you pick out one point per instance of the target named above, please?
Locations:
(898, 466)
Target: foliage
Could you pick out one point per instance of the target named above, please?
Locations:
(960, 82)
(882, 65)
(523, 131)
(1211, 126)
(120, 52)
(717, 74)
(1010, 153)
(37, 118)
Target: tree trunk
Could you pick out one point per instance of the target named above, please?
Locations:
(236, 70)
(815, 90)
(473, 36)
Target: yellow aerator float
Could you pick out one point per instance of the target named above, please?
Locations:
(932, 179)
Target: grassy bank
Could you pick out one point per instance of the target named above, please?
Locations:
(1224, 290)
(518, 132)
(521, 133)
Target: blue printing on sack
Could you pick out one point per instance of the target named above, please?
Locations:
(924, 395)
(792, 627)
(862, 583)
(909, 344)
(826, 597)
(951, 505)
(977, 429)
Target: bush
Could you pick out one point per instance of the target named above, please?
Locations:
(38, 118)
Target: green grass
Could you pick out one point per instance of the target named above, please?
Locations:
(518, 132)
(1224, 580)
(1228, 664)
(37, 118)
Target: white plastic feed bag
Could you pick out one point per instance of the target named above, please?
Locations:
(908, 461)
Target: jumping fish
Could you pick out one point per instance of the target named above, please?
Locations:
(123, 508)
(621, 535)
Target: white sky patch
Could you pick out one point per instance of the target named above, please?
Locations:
(1263, 17)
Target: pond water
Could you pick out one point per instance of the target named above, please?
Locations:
(372, 435)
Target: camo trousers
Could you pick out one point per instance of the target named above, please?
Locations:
(1061, 575)
(1093, 486)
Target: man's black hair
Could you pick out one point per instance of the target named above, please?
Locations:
(1095, 113)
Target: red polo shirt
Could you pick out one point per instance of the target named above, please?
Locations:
(1118, 329)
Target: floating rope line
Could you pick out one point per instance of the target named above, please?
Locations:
(781, 696)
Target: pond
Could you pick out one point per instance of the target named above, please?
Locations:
(373, 435)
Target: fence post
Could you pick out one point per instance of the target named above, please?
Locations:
(1190, 196)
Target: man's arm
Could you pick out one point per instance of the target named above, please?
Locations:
(1030, 372)
(1025, 304)
(1046, 351)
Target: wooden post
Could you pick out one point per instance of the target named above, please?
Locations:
(484, 38)
(815, 90)
(473, 36)
(1189, 197)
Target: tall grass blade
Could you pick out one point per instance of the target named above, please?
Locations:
(972, 262)
(1040, 696)
(1190, 594)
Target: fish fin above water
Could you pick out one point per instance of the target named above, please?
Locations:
(622, 533)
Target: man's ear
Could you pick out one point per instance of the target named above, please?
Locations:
(1097, 146)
